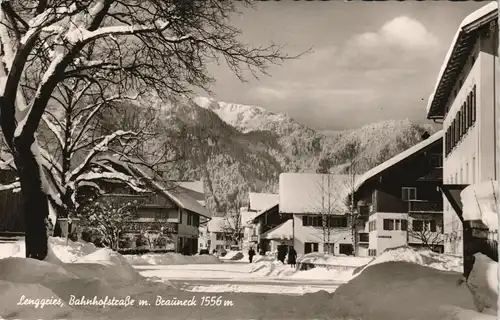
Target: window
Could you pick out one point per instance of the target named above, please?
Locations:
(418, 225)
(189, 219)
(459, 125)
(473, 113)
(161, 215)
(409, 193)
(432, 225)
(388, 224)
(312, 221)
(338, 222)
(467, 172)
(364, 237)
(404, 224)
(473, 170)
(372, 225)
(311, 247)
(464, 122)
(397, 224)
(436, 160)
(345, 248)
(372, 252)
(219, 236)
(181, 213)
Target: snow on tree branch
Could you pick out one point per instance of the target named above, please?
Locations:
(100, 147)
(10, 186)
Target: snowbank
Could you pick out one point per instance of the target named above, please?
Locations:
(65, 252)
(403, 290)
(483, 283)
(170, 258)
(234, 256)
(318, 258)
(480, 202)
(424, 258)
(323, 274)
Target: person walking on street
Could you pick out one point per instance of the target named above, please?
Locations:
(292, 257)
(251, 253)
(282, 252)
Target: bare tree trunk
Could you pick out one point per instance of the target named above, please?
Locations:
(36, 207)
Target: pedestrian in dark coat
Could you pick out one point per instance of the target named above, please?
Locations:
(292, 257)
(282, 253)
(251, 253)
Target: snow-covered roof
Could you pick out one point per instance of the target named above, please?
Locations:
(178, 195)
(398, 158)
(271, 206)
(259, 201)
(196, 186)
(310, 193)
(449, 69)
(282, 232)
(247, 216)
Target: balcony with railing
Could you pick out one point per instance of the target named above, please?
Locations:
(424, 206)
(254, 238)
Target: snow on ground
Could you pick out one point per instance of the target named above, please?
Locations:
(170, 258)
(261, 288)
(404, 290)
(235, 256)
(319, 258)
(424, 258)
(403, 286)
(66, 253)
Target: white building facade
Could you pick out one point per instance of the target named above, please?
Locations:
(312, 201)
(466, 101)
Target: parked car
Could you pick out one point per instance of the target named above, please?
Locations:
(204, 251)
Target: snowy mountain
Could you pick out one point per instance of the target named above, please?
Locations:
(236, 149)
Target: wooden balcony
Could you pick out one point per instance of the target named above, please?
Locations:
(254, 238)
(137, 226)
(424, 206)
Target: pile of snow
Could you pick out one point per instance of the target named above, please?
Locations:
(483, 283)
(324, 274)
(90, 272)
(64, 250)
(272, 269)
(170, 258)
(234, 256)
(424, 258)
(318, 258)
(412, 291)
(480, 202)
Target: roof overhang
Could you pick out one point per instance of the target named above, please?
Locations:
(462, 47)
(254, 220)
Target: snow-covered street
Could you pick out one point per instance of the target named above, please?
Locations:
(238, 277)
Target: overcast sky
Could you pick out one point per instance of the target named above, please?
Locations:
(371, 61)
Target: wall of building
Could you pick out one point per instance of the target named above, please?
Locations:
(381, 239)
(473, 159)
(307, 234)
